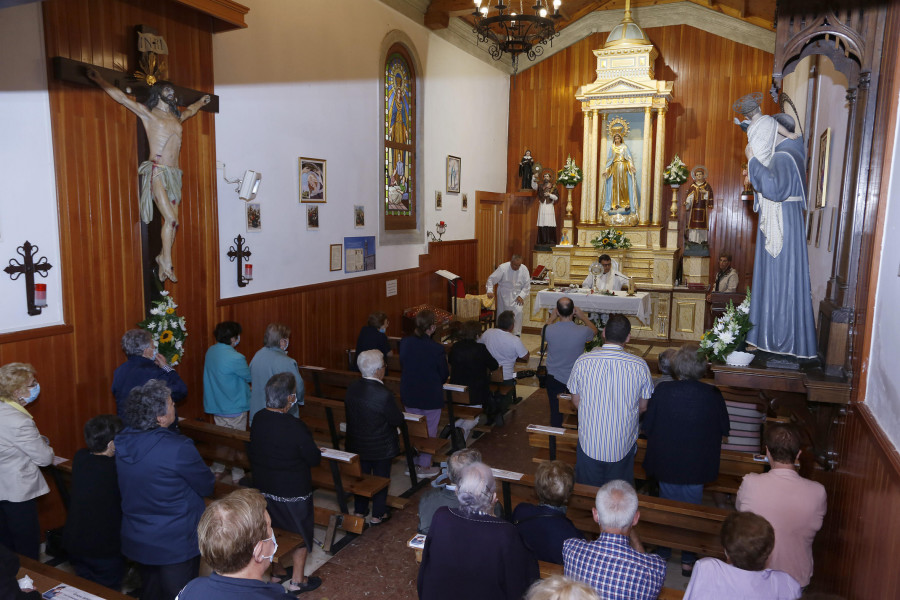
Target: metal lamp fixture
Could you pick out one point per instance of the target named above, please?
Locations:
(516, 32)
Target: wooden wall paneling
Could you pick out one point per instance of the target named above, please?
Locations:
(710, 73)
(856, 549)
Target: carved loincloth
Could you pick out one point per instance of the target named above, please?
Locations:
(171, 177)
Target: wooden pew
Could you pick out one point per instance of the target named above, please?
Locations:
(46, 577)
(663, 522)
(287, 540)
(561, 444)
(343, 473)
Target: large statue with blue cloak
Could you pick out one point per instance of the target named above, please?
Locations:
(781, 307)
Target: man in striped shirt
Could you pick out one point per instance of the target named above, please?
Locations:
(610, 388)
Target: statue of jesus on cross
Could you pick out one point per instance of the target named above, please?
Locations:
(160, 176)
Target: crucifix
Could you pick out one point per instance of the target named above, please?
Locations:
(29, 267)
(160, 175)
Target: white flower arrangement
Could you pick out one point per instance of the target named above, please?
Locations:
(168, 329)
(729, 331)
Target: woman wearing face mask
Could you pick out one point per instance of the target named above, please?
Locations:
(373, 336)
(226, 378)
(23, 450)
(270, 360)
(237, 541)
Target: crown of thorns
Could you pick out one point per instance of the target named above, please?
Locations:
(747, 104)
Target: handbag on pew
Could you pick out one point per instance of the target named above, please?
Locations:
(541, 369)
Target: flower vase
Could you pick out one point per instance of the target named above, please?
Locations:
(569, 206)
(673, 211)
(739, 359)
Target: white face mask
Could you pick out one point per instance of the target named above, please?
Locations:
(236, 342)
(274, 551)
(285, 345)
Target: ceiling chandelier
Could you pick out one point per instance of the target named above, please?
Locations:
(516, 33)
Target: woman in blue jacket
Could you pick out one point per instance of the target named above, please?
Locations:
(163, 481)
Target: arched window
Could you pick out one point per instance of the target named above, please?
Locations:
(399, 140)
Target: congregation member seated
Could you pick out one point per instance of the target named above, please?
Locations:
(545, 527)
(9, 585)
(372, 421)
(664, 364)
(794, 506)
(282, 451)
(23, 450)
(422, 381)
(748, 540)
(373, 336)
(226, 385)
(445, 494)
(92, 536)
(269, 360)
(685, 422)
(507, 349)
(238, 543)
(162, 480)
(471, 364)
(471, 554)
(142, 364)
(615, 565)
(558, 587)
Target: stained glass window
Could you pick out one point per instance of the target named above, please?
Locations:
(399, 140)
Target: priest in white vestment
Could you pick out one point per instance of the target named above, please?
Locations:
(610, 279)
(513, 283)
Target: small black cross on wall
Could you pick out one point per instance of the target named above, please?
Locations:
(15, 269)
(240, 252)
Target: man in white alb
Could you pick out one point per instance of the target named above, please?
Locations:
(610, 279)
(513, 285)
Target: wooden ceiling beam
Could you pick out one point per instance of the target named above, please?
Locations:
(227, 14)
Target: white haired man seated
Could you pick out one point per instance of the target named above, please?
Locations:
(615, 565)
(237, 541)
(469, 553)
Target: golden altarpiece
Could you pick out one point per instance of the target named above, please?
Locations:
(622, 103)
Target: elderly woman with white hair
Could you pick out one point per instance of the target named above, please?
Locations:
(372, 420)
(469, 553)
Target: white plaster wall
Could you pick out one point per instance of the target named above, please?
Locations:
(832, 111)
(289, 86)
(28, 207)
(883, 390)
(829, 110)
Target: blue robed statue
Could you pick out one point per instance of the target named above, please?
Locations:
(781, 306)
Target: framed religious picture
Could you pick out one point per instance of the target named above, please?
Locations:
(254, 217)
(438, 200)
(822, 173)
(312, 217)
(359, 254)
(359, 216)
(454, 174)
(335, 257)
(465, 202)
(312, 179)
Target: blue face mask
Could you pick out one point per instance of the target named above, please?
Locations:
(274, 550)
(35, 391)
(383, 329)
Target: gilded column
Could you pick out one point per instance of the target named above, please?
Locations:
(586, 167)
(598, 181)
(645, 169)
(658, 165)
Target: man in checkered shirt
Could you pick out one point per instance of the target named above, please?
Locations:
(615, 565)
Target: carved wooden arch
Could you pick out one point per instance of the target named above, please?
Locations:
(841, 40)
